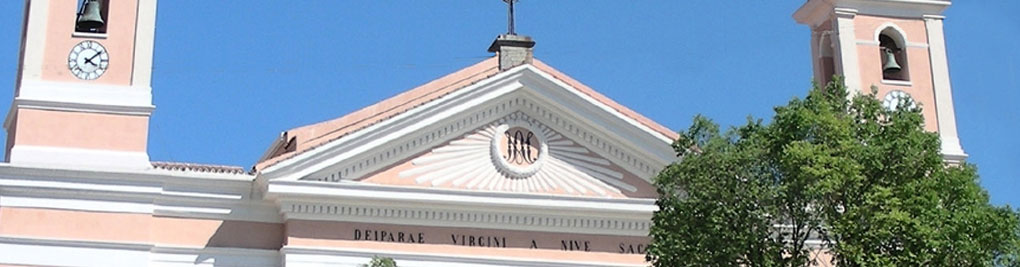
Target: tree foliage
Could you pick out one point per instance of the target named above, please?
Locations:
(381, 262)
(829, 180)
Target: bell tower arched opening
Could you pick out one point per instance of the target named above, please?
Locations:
(893, 55)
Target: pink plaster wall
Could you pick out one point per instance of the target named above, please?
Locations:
(921, 88)
(81, 130)
(119, 42)
(138, 228)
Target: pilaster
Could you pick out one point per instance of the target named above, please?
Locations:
(945, 113)
(847, 45)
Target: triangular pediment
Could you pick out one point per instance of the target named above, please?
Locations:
(581, 145)
(515, 153)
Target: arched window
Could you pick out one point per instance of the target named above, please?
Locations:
(825, 57)
(893, 55)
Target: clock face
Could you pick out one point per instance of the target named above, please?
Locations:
(88, 60)
(894, 98)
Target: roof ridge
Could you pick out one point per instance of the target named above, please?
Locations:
(314, 135)
(308, 137)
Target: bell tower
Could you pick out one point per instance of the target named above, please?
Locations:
(83, 96)
(896, 46)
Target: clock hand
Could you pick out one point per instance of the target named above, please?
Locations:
(89, 60)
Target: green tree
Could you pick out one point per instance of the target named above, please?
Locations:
(863, 183)
(381, 262)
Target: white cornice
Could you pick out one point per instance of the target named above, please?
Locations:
(153, 191)
(377, 146)
(814, 12)
(35, 251)
(359, 202)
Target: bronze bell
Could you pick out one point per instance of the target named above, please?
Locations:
(890, 61)
(91, 17)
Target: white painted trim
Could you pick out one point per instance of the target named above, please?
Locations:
(43, 156)
(145, 36)
(80, 107)
(120, 206)
(54, 252)
(867, 42)
(609, 125)
(162, 255)
(92, 35)
(917, 45)
(643, 146)
(314, 256)
(65, 252)
(499, 219)
(34, 45)
(357, 202)
(284, 190)
(98, 96)
(592, 101)
(849, 63)
(358, 142)
(154, 191)
(897, 83)
(901, 35)
(944, 111)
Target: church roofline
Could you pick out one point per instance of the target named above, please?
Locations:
(305, 138)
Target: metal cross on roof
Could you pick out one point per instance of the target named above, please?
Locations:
(510, 17)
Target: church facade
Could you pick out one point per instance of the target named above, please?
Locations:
(507, 162)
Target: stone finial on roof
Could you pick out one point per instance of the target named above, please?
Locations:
(513, 50)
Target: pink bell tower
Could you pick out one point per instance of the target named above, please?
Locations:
(83, 96)
(896, 46)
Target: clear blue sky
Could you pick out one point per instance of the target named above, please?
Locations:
(229, 76)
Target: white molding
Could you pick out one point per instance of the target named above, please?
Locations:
(154, 191)
(462, 218)
(119, 206)
(314, 256)
(44, 156)
(66, 252)
(389, 130)
(54, 252)
(867, 42)
(600, 127)
(92, 35)
(849, 62)
(333, 192)
(145, 35)
(20, 103)
(917, 45)
(358, 165)
(34, 43)
(944, 112)
(461, 208)
(162, 255)
(97, 95)
(902, 35)
(897, 83)
(380, 144)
